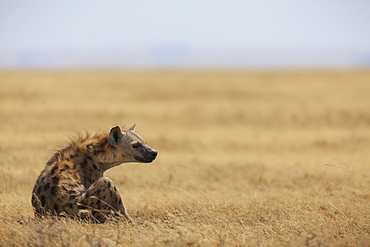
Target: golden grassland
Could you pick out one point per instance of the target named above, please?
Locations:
(245, 158)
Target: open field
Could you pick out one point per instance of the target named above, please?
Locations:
(245, 158)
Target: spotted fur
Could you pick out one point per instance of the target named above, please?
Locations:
(72, 182)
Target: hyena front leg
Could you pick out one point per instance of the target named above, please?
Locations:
(102, 200)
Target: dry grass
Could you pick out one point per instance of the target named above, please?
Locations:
(245, 158)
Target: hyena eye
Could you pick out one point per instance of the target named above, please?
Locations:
(135, 145)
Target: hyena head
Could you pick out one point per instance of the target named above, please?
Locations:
(130, 146)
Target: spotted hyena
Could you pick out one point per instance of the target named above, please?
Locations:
(72, 183)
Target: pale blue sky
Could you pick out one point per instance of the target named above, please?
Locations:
(201, 33)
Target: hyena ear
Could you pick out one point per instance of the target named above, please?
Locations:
(114, 135)
(133, 127)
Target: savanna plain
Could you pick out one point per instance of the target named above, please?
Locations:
(245, 158)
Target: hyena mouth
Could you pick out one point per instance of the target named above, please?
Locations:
(148, 157)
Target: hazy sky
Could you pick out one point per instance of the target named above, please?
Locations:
(83, 31)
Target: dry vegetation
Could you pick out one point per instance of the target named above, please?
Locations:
(245, 158)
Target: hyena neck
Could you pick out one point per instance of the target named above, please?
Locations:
(105, 154)
(94, 153)
(108, 165)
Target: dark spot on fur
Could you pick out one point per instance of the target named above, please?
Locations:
(52, 171)
(46, 186)
(95, 167)
(70, 205)
(97, 216)
(55, 180)
(98, 191)
(119, 201)
(81, 207)
(109, 185)
(54, 190)
(42, 199)
(73, 197)
(115, 189)
(56, 208)
(71, 192)
(84, 163)
(72, 185)
(39, 190)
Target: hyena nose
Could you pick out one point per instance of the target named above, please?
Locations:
(154, 153)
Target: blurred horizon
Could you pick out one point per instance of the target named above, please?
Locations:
(164, 34)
